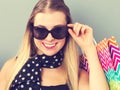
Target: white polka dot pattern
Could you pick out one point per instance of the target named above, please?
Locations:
(29, 78)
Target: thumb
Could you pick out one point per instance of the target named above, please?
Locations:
(72, 33)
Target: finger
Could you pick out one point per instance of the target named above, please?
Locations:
(70, 25)
(82, 31)
(75, 28)
(88, 29)
(72, 33)
(78, 29)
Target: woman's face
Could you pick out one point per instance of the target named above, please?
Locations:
(49, 20)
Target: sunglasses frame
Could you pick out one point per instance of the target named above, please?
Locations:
(37, 30)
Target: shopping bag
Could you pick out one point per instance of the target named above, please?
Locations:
(109, 55)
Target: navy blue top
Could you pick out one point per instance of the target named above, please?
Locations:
(28, 78)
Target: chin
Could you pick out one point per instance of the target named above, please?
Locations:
(50, 53)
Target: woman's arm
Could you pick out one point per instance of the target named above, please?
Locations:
(5, 72)
(96, 80)
(83, 80)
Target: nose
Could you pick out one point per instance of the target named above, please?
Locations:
(49, 37)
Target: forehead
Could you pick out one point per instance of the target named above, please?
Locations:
(50, 18)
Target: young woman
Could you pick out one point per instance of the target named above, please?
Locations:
(48, 58)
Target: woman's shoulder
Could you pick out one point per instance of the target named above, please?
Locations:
(7, 67)
(5, 72)
(8, 63)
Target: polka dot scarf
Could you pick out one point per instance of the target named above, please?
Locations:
(29, 77)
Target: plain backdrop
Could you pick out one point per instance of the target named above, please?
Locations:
(102, 15)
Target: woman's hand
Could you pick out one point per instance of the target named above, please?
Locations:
(82, 34)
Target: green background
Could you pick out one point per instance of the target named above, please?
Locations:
(102, 15)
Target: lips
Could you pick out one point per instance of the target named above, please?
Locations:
(49, 46)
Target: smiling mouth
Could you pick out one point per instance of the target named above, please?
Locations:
(49, 46)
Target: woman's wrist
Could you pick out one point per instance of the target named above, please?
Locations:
(91, 54)
(90, 50)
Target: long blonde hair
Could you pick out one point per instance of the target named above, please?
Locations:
(28, 48)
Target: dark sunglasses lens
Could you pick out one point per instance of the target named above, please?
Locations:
(60, 32)
(40, 33)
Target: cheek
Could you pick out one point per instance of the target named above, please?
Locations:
(37, 43)
(62, 42)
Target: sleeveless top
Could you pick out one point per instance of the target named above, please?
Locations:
(28, 78)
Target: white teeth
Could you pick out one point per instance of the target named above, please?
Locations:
(49, 45)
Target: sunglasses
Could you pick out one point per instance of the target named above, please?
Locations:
(58, 32)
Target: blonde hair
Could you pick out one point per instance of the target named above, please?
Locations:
(28, 48)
